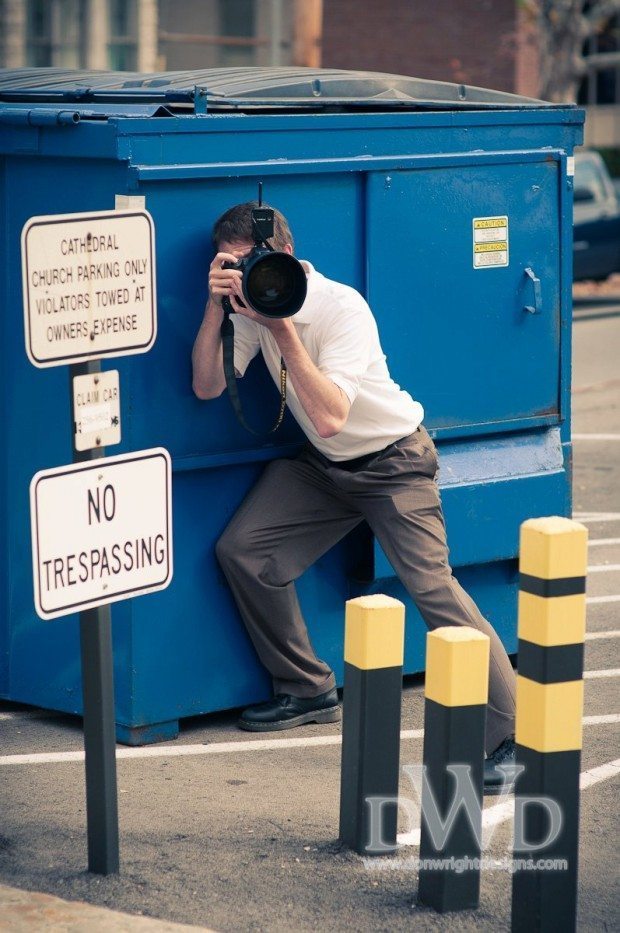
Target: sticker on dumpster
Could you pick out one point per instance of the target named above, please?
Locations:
(88, 286)
(490, 242)
(101, 531)
(96, 410)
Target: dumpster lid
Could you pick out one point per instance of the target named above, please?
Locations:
(254, 90)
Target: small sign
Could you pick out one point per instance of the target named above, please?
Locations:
(490, 242)
(88, 286)
(101, 531)
(96, 410)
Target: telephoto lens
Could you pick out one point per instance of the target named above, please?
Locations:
(274, 283)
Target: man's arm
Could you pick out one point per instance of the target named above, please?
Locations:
(325, 403)
(207, 358)
(207, 362)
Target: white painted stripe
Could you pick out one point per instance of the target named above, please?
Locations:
(595, 437)
(602, 542)
(614, 634)
(165, 751)
(502, 812)
(586, 517)
(602, 773)
(597, 600)
(172, 751)
(611, 672)
(250, 745)
(601, 720)
(603, 568)
(412, 734)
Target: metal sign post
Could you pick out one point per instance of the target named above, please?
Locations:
(99, 533)
(98, 703)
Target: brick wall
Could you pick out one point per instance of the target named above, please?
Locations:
(466, 41)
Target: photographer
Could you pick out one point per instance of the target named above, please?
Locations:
(367, 457)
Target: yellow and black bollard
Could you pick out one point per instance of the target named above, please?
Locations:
(552, 612)
(456, 693)
(373, 673)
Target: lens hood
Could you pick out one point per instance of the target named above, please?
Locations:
(274, 283)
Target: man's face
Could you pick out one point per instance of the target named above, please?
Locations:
(238, 248)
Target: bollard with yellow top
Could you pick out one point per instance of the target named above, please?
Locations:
(456, 694)
(373, 673)
(552, 615)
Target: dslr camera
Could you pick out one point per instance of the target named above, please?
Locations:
(273, 283)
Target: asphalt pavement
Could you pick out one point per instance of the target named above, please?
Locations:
(238, 832)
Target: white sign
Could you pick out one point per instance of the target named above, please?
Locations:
(490, 242)
(96, 410)
(89, 286)
(101, 531)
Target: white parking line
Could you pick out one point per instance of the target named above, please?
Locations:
(600, 720)
(221, 748)
(502, 812)
(597, 600)
(595, 437)
(586, 517)
(611, 672)
(600, 542)
(603, 568)
(614, 634)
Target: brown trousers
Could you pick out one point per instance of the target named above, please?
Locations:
(299, 509)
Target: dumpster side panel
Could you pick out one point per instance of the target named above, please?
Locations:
(5, 563)
(489, 372)
(44, 665)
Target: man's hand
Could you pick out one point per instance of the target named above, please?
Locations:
(225, 283)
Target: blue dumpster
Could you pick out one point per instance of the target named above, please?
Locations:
(448, 207)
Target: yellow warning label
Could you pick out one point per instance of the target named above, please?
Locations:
(491, 247)
(490, 242)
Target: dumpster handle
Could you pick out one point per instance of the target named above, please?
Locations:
(537, 308)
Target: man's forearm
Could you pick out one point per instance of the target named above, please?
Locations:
(324, 402)
(208, 368)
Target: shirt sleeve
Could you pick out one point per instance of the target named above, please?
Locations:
(246, 343)
(345, 347)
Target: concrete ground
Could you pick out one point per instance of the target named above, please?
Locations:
(233, 831)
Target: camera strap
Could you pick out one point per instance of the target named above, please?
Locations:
(227, 331)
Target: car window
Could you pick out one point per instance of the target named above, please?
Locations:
(588, 176)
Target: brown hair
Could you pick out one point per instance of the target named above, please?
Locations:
(236, 224)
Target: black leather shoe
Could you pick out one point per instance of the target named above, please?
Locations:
(500, 768)
(286, 712)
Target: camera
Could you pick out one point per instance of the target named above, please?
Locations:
(273, 283)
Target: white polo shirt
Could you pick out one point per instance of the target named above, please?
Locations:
(340, 335)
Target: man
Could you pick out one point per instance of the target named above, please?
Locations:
(368, 457)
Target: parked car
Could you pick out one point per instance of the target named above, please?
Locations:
(596, 219)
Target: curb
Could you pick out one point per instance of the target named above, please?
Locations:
(25, 911)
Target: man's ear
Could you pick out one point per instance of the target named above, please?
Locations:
(288, 249)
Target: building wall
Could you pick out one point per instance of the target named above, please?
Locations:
(466, 41)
